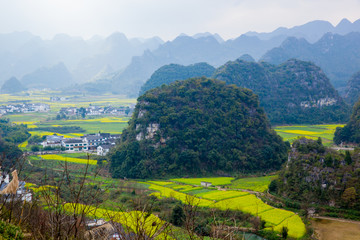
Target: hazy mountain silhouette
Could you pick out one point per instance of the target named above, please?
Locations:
(311, 31)
(337, 55)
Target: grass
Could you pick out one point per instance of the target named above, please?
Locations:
(257, 184)
(217, 181)
(326, 132)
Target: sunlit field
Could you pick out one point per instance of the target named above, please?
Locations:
(326, 132)
(232, 200)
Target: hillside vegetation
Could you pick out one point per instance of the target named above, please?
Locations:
(352, 92)
(350, 133)
(295, 92)
(172, 72)
(316, 174)
(197, 126)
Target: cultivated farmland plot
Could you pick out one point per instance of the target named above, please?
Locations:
(232, 200)
(326, 132)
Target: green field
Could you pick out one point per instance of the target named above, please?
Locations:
(66, 158)
(326, 132)
(257, 184)
(235, 200)
(91, 124)
(218, 181)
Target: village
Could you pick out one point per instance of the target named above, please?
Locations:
(97, 111)
(100, 143)
(24, 108)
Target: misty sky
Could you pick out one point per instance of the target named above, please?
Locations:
(166, 18)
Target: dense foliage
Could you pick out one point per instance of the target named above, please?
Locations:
(294, 92)
(352, 92)
(10, 137)
(63, 129)
(172, 72)
(13, 85)
(197, 126)
(13, 133)
(316, 174)
(350, 133)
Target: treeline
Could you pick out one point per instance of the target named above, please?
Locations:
(62, 130)
(350, 133)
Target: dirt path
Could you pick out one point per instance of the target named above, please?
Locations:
(336, 229)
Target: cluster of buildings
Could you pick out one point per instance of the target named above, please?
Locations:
(24, 108)
(99, 142)
(58, 99)
(97, 110)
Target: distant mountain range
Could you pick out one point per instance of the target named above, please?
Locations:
(22, 53)
(311, 31)
(337, 55)
(128, 63)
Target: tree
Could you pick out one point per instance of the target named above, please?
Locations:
(284, 232)
(349, 196)
(273, 186)
(177, 216)
(348, 158)
(82, 112)
(35, 148)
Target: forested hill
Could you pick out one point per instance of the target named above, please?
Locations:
(295, 92)
(315, 174)
(350, 133)
(172, 72)
(196, 127)
(352, 92)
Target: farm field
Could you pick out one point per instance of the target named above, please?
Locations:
(234, 200)
(336, 230)
(257, 184)
(91, 124)
(63, 158)
(326, 132)
(197, 181)
(113, 125)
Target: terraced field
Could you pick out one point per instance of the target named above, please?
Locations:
(64, 158)
(232, 200)
(257, 184)
(326, 132)
(218, 181)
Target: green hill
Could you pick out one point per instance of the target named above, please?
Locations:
(314, 174)
(172, 72)
(352, 91)
(350, 133)
(13, 85)
(197, 127)
(295, 92)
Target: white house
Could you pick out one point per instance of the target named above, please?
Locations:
(206, 184)
(53, 141)
(75, 144)
(102, 150)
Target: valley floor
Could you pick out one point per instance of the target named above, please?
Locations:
(336, 229)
